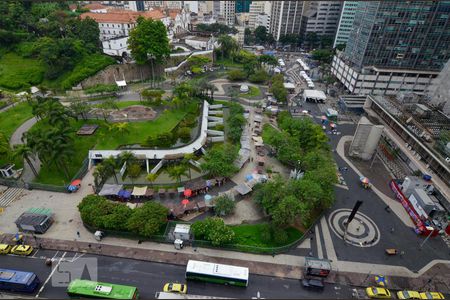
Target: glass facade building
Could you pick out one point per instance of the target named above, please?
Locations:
(243, 6)
(400, 35)
(345, 22)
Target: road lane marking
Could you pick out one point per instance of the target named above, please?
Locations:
(319, 244)
(55, 254)
(35, 253)
(50, 276)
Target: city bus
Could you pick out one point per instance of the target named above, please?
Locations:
(217, 273)
(18, 281)
(93, 289)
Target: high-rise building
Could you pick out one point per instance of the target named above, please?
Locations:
(227, 12)
(345, 22)
(256, 8)
(439, 91)
(323, 17)
(287, 18)
(243, 6)
(395, 46)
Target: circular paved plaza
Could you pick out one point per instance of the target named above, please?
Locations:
(361, 231)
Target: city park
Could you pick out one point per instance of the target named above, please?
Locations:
(52, 140)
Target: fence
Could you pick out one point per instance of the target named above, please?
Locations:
(46, 187)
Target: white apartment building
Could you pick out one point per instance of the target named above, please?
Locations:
(227, 12)
(323, 17)
(256, 8)
(191, 6)
(263, 20)
(345, 22)
(380, 81)
(286, 17)
(116, 46)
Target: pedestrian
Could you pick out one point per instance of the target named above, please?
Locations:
(392, 229)
(387, 208)
(78, 233)
(89, 245)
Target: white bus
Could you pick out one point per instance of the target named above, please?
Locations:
(217, 273)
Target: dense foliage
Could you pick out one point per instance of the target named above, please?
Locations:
(278, 90)
(235, 122)
(51, 35)
(224, 205)
(219, 161)
(100, 213)
(216, 28)
(214, 230)
(300, 144)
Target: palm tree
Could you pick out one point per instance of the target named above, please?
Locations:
(152, 177)
(100, 174)
(122, 128)
(25, 152)
(79, 109)
(186, 161)
(127, 157)
(175, 172)
(110, 165)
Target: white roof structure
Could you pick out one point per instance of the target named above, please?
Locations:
(34, 90)
(244, 88)
(161, 153)
(303, 64)
(110, 189)
(182, 228)
(314, 94)
(289, 85)
(121, 83)
(277, 70)
(139, 191)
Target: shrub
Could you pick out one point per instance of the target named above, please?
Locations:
(166, 139)
(148, 219)
(259, 76)
(224, 206)
(184, 133)
(102, 88)
(214, 230)
(266, 233)
(236, 75)
(279, 235)
(235, 122)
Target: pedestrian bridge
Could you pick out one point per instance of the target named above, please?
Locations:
(158, 154)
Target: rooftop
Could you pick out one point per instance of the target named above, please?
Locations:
(123, 16)
(94, 6)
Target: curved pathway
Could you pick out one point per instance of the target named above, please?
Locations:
(16, 139)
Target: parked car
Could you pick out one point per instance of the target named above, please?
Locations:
(22, 250)
(313, 283)
(408, 295)
(431, 295)
(5, 248)
(175, 288)
(378, 293)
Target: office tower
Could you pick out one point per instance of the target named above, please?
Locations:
(345, 22)
(227, 12)
(257, 9)
(323, 17)
(243, 6)
(287, 18)
(395, 46)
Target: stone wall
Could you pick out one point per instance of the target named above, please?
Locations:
(131, 72)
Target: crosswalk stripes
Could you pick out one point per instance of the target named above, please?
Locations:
(8, 196)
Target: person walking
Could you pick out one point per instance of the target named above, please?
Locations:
(78, 233)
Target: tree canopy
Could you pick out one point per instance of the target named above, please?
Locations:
(219, 160)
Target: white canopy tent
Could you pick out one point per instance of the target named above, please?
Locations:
(314, 95)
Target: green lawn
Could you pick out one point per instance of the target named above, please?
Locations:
(228, 63)
(253, 91)
(20, 73)
(251, 235)
(104, 139)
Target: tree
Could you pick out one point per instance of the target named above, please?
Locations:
(153, 97)
(286, 211)
(259, 76)
(260, 35)
(224, 206)
(278, 89)
(149, 40)
(79, 108)
(133, 171)
(152, 177)
(184, 133)
(219, 161)
(323, 55)
(236, 75)
(25, 152)
(175, 172)
(121, 128)
(214, 230)
(248, 37)
(228, 46)
(126, 157)
(148, 219)
(341, 47)
(312, 39)
(110, 165)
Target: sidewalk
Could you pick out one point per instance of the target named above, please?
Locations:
(285, 266)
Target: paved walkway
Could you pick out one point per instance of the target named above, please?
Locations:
(16, 139)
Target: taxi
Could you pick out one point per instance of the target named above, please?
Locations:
(431, 295)
(175, 288)
(5, 248)
(408, 295)
(22, 250)
(378, 293)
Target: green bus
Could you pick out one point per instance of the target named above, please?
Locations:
(93, 289)
(217, 273)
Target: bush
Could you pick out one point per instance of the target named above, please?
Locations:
(88, 66)
(236, 75)
(279, 235)
(266, 233)
(259, 76)
(100, 213)
(184, 133)
(214, 230)
(163, 140)
(224, 206)
(235, 122)
(102, 88)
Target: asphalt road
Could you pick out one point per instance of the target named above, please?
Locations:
(150, 277)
